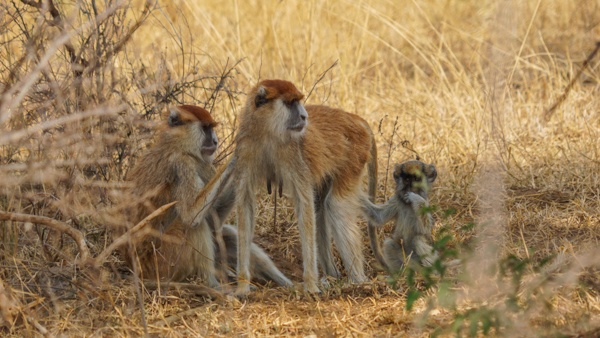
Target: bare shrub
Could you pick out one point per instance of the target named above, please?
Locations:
(76, 107)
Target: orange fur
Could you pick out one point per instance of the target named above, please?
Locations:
(202, 115)
(348, 147)
(336, 143)
(284, 89)
(327, 158)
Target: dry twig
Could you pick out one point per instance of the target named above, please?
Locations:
(126, 237)
(548, 114)
(321, 76)
(54, 225)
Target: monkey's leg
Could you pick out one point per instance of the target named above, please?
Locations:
(246, 208)
(340, 216)
(425, 253)
(264, 267)
(324, 241)
(203, 256)
(182, 252)
(221, 266)
(260, 263)
(305, 211)
(394, 255)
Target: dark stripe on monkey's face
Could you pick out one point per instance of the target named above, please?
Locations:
(298, 116)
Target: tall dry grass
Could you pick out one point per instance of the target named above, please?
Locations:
(464, 83)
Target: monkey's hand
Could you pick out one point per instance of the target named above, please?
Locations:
(415, 200)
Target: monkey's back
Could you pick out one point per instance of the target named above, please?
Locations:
(336, 145)
(151, 177)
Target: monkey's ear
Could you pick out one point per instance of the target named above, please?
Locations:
(174, 118)
(431, 173)
(397, 171)
(261, 97)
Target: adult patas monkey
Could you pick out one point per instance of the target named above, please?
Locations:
(318, 155)
(178, 168)
(413, 225)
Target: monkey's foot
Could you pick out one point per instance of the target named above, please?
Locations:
(311, 287)
(281, 280)
(359, 278)
(243, 290)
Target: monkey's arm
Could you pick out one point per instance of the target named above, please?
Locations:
(379, 214)
(225, 201)
(218, 194)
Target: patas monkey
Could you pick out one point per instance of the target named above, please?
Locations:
(412, 236)
(178, 168)
(318, 155)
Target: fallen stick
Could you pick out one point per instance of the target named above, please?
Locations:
(54, 225)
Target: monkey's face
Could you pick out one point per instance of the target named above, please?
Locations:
(278, 106)
(194, 127)
(414, 176)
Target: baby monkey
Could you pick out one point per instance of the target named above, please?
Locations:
(413, 222)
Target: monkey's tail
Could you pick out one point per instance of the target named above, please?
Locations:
(372, 172)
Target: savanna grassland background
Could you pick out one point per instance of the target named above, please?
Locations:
(464, 84)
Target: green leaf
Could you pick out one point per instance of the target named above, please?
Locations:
(474, 324)
(449, 212)
(486, 323)
(458, 323)
(413, 296)
(468, 227)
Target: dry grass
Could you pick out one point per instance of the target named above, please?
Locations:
(466, 83)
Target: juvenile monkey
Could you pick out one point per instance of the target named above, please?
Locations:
(413, 226)
(178, 168)
(317, 155)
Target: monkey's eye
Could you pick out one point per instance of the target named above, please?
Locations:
(207, 130)
(260, 100)
(174, 120)
(407, 179)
